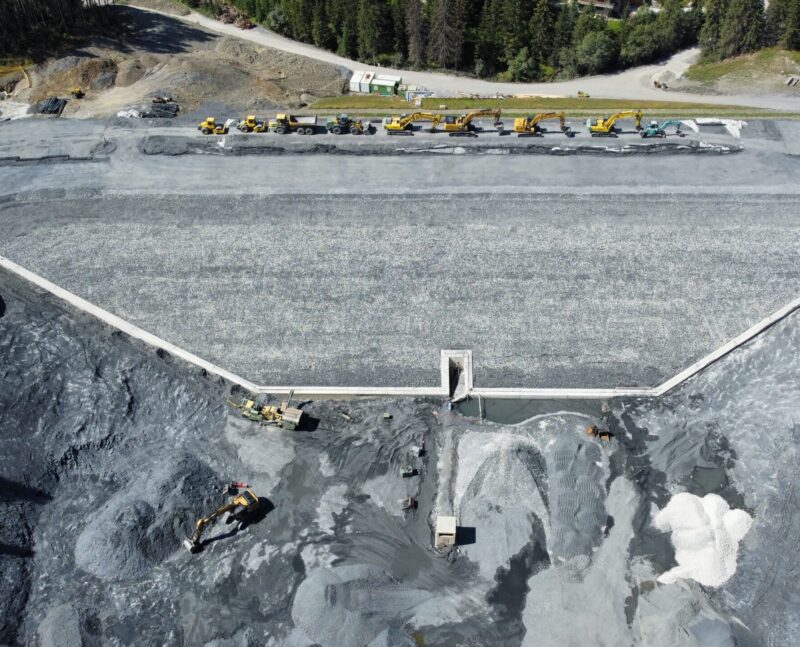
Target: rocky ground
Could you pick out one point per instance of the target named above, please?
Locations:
(162, 56)
(109, 451)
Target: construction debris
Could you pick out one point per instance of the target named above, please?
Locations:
(51, 106)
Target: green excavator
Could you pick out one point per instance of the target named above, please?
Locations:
(654, 129)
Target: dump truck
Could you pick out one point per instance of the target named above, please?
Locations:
(462, 126)
(605, 126)
(654, 129)
(252, 125)
(345, 124)
(529, 126)
(403, 124)
(285, 123)
(211, 127)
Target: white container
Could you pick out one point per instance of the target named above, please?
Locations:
(366, 79)
(355, 81)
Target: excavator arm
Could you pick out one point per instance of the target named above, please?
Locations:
(483, 112)
(242, 504)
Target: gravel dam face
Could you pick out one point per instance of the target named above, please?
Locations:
(548, 291)
(110, 451)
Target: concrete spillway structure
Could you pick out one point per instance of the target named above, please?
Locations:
(457, 380)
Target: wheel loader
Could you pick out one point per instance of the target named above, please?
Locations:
(252, 125)
(211, 127)
(462, 126)
(345, 124)
(529, 126)
(239, 509)
(605, 126)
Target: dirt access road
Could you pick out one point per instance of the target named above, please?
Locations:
(635, 83)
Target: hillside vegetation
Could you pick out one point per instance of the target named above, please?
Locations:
(514, 40)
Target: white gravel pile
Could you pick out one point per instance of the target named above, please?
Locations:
(706, 535)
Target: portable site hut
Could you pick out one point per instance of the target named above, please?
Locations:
(445, 532)
(364, 83)
(355, 81)
(382, 86)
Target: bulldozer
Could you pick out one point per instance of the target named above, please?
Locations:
(605, 126)
(77, 92)
(283, 415)
(345, 124)
(462, 126)
(252, 125)
(402, 125)
(239, 509)
(529, 126)
(656, 130)
(211, 127)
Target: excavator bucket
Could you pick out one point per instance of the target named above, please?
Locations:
(191, 546)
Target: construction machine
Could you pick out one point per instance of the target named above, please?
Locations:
(462, 126)
(252, 125)
(345, 124)
(656, 130)
(285, 123)
(78, 93)
(283, 415)
(239, 509)
(402, 125)
(582, 94)
(604, 126)
(211, 127)
(529, 126)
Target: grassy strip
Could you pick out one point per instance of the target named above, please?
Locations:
(362, 102)
(567, 103)
(771, 60)
(373, 105)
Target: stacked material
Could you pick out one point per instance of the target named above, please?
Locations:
(50, 106)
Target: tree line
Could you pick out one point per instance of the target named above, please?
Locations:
(516, 40)
(734, 27)
(34, 28)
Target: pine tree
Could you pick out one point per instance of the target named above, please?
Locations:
(487, 45)
(415, 31)
(542, 32)
(709, 33)
(790, 35)
(459, 30)
(441, 49)
(742, 28)
(564, 28)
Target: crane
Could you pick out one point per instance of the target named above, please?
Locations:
(240, 508)
(402, 125)
(529, 126)
(656, 130)
(462, 126)
(604, 127)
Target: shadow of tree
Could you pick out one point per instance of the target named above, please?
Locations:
(151, 33)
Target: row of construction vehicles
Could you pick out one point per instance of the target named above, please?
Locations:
(455, 125)
(285, 123)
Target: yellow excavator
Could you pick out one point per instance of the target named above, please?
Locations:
(239, 509)
(529, 126)
(402, 125)
(604, 127)
(462, 126)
